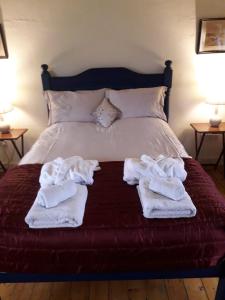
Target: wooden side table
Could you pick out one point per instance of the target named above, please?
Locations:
(12, 136)
(204, 129)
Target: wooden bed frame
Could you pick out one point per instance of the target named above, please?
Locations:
(116, 78)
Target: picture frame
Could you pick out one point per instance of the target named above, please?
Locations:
(3, 46)
(211, 37)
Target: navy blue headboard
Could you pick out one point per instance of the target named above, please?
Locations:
(114, 78)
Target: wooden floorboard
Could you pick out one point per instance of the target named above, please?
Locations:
(156, 289)
(118, 290)
(41, 291)
(195, 289)
(187, 289)
(210, 285)
(176, 289)
(99, 290)
(80, 290)
(136, 289)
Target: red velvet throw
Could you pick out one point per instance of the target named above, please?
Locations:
(115, 237)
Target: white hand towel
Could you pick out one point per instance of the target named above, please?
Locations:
(173, 167)
(68, 213)
(157, 206)
(75, 168)
(168, 187)
(51, 196)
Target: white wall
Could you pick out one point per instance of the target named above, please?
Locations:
(73, 35)
(210, 68)
(210, 9)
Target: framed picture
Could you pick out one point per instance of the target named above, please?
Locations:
(3, 47)
(211, 37)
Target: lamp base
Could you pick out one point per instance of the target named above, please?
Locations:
(4, 128)
(215, 122)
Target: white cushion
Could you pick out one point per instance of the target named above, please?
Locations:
(106, 113)
(66, 106)
(142, 102)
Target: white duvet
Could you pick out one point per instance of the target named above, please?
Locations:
(130, 137)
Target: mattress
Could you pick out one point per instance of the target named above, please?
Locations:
(128, 137)
(115, 237)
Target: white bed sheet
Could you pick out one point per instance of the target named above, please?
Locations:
(129, 137)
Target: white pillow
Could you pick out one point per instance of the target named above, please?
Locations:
(142, 102)
(66, 106)
(106, 113)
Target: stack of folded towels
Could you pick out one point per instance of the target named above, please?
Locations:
(62, 197)
(160, 186)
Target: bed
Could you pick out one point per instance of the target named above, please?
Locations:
(115, 240)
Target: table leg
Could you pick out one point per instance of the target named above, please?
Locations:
(196, 143)
(16, 148)
(223, 154)
(218, 160)
(3, 167)
(22, 145)
(198, 148)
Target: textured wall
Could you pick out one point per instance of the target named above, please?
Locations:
(73, 35)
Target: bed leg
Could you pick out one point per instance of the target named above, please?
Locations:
(220, 293)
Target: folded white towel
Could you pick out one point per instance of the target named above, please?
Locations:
(75, 168)
(173, 167)
(168, 187)
(52, 195)
(157, 206)
(68, 213)
(134, 169)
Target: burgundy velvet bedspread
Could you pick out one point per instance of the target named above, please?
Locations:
(114, 237)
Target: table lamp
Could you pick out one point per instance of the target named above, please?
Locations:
(4, 126)
(215, 119)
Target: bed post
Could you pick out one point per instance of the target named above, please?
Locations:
(168, 72)
(220, 292)
(45, 76)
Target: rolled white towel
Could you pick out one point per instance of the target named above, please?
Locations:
(168, 187)
(51, 196)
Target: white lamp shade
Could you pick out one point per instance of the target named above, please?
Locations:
(216, 100)
(5, 107)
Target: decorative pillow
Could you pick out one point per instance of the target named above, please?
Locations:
(69, 106)
(143, 102)
(106, 113)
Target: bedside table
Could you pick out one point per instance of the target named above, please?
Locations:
(12, 136)
(204, 129)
